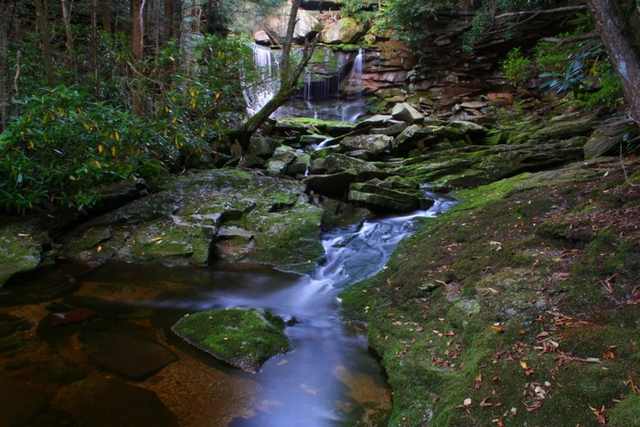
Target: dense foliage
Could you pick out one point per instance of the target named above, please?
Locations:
(69, 140)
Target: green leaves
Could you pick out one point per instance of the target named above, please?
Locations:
(65, 146)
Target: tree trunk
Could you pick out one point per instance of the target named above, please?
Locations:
(169, 17)
(66, 19)
(42, 19)
(106, 15)
(288, 81)
(613, 18)
(94, 46)
(191, 35)
(137, 28)
(4, 66)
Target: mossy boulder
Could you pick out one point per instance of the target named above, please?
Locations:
(241, 338)
(181, 225)
(20, 248)
(306, 125)
(390, 195)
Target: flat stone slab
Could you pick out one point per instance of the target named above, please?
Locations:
(133, 357)
(20, 402)
(102, 402)
(241, 338)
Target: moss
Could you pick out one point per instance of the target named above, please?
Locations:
(241, 338)
(497, 281)
(626, 413)
(20, 248)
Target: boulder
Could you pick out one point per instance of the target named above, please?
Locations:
(378, 120)
(372, 144)
(406, 113)
(241, 338)
(343, 31)
(606, 139)
(21, 246)
(566, 126)
(388, 196)
(308, 125)
(333, 185)
(282, 157)
(300, 164)
(180, 224)
(306, 25)
(261, 37)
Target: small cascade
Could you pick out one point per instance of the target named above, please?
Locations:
(355, 78)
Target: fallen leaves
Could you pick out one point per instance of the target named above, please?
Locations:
(525, 367)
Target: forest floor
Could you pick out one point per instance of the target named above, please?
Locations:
(519, 307)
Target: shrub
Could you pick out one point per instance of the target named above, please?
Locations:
(517, 67)
(64, 146)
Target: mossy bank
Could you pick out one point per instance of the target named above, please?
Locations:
(517, 307)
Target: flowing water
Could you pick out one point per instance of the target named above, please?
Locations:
(331, 86)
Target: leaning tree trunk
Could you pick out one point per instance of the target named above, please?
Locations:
(191, 35)
(137, 28)
(613, 19)
(289, 76)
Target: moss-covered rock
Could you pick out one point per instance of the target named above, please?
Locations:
(314, 126)
(242, 338)
(21, 245)
(181, 224)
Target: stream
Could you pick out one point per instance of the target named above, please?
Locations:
(329, 373)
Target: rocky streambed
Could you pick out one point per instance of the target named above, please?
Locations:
(89, 305)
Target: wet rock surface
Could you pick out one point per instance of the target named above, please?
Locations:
(242, 338)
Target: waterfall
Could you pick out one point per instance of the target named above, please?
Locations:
(320, 94)
(267, 67)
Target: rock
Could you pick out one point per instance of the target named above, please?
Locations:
(333, 185)
(392, 130)
(314, 126)
(21, 246)
(410, 138)
(563, 127)
(282, 157)
(20, 402)
(107, 402)
(388, 196)
(307, 22)
(406, 113)
(473, 105)
(261, 37)
(300, 164)
(373, 144)
(467, 128)
(336, 162)
(312, 139)
(345, 30)
(262, 147)
(378, 120)
(133, 356)
(242, 338)
(338, 214)
(607, 138)
(179, 225)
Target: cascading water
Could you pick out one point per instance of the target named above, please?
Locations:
(322, 95)
(267, 83)
(306, 386)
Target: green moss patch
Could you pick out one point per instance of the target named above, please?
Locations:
(242, 338)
